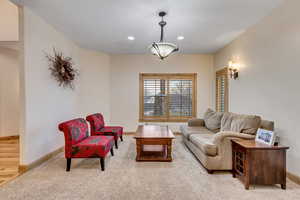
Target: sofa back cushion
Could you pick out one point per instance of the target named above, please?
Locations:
(247, 124)
(212, 120)
(74, 130)
(96, 121)
(226, 121)
(268, 125)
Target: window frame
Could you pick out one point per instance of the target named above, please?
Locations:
(222, 72)
(167, 76)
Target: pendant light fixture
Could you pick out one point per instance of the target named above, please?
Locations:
(162, 49)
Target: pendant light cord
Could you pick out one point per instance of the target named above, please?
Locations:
(162, 23)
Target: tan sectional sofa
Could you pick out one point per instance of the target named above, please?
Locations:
(209, 139)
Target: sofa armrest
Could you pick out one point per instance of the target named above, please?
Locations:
(219, 137)
(196, 122)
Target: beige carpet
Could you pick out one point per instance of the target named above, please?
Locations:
(126, 179)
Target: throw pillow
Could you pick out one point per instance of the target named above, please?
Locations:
(212, 120)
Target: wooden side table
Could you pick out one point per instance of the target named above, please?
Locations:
(256, 163)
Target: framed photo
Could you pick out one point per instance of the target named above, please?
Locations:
(265, 136)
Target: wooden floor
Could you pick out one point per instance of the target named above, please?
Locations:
(9, 159)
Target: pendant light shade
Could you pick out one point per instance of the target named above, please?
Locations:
(162, 49)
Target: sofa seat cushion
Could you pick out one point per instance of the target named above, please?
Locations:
(212, 120)
(204, 143)
(93, 146)
(186, 131)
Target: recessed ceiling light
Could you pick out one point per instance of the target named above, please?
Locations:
(131, 38)
(180, 38)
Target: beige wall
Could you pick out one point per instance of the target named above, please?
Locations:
(269, 77)
(125, 71)
(9, 21)
(44, 103)
(94, 83)
(9, 91)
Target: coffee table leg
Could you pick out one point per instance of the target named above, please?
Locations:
(138, 149)
(169, 151)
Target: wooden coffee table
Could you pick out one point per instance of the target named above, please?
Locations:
(154, 143)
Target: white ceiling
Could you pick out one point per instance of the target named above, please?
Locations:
(104, 25)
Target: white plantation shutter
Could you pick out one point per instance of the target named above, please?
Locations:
(154, 97)
(222, 90)
(167, 97)
(180, 98)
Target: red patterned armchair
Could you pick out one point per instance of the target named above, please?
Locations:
(78, 143)
(98, 127)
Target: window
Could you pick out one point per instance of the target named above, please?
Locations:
(222, 90)
(167, 97)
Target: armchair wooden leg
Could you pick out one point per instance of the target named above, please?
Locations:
(121, 137)
(102, 164)
(116, 144)
(68, 164)
(112, 151)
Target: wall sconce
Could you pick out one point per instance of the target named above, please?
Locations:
(233, 69)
